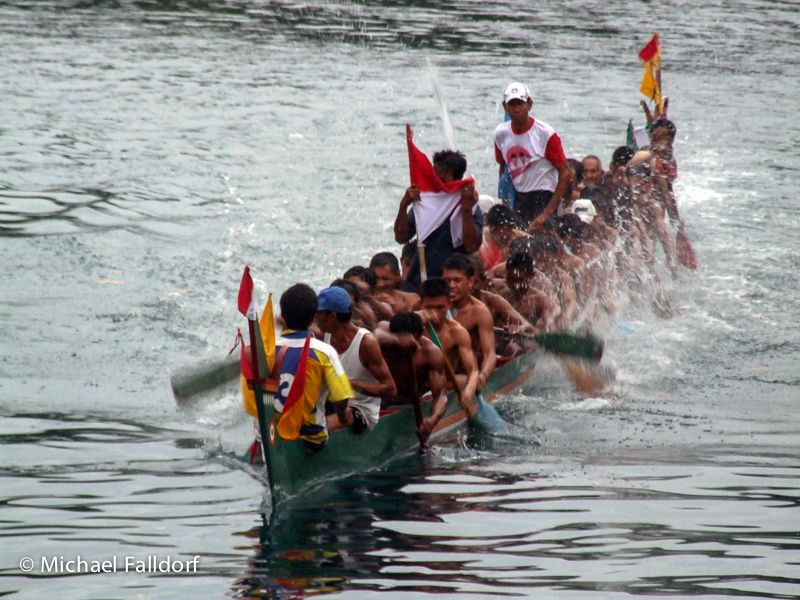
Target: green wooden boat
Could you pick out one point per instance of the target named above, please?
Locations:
(291, 471)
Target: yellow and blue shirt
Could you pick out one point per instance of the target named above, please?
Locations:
(325, 380)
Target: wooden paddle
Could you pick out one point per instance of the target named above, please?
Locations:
(563, 343)
(416, 400)
(190, 382)
(684, 250)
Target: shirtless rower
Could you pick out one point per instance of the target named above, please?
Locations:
(363, 315)
(471, 314)
(531, 303)
(387, 270)
(544, 250)
(403, 336)
(366, 280)
(361, 359)
(455, 340)
(503, 314)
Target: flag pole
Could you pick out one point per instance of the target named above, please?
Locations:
(256, 383)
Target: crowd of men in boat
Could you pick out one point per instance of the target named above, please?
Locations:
(552, 257)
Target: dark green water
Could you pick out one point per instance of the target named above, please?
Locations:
(148, 150)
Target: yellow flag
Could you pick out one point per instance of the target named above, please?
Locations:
(267, 326)
(651, 82)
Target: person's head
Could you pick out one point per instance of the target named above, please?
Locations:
(621, 158)
(363, 277)
(517, 103)
(458, 272)
(349, 287)
(571, 228)
(434, 295)
(387, 271)
(500, 224)
(638, 173)
(298, 307)
(480, 276)
(576, 168)
(521, 244)
(335, 307)
(602, 202)
(542, 247)
(592, 169)
(519, 272)
(584, 209)
(406, 321)
(450, 165)
(407, 257)
(662, 136)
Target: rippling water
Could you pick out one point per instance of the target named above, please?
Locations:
(150, 149)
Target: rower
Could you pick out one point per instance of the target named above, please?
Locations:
(325, 377)
(361, 359)
(387, 271)
(423, 373)
(503, 314)
(366, 280)
(471, 314)
(455, 341)
(531, 303)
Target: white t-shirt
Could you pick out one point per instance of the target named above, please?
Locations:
(530, 155)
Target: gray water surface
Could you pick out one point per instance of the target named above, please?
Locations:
(148, 150)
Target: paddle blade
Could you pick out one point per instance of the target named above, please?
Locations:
(566, 344)
(188, 382)
(685, 251)
(487, 417)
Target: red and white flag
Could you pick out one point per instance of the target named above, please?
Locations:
(247, 305)
(438, 201)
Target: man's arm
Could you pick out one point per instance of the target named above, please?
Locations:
(488, 345)
(564, 178)
(468, 362)
(401, 221)
(369, 353)
(513, 321)
(472, 237)
(434, 360)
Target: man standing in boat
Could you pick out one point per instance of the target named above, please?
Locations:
(361, 358)
(444, 211)
(325, 378)
(533, 152)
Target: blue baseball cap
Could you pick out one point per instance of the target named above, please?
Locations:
(335, 299)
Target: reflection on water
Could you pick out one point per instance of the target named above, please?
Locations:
(702, 529)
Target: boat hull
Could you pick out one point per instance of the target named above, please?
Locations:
(291, 470)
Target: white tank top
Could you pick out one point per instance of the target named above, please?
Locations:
(369, 406)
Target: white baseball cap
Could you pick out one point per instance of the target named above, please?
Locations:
(485, 201)
(516, 91)
(584, 209)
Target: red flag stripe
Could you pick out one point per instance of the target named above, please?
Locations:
(423, 174)
(651, 49)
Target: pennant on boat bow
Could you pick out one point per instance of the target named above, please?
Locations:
(650, 55)
(438, 201)
(247, 305)
(293, 414)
